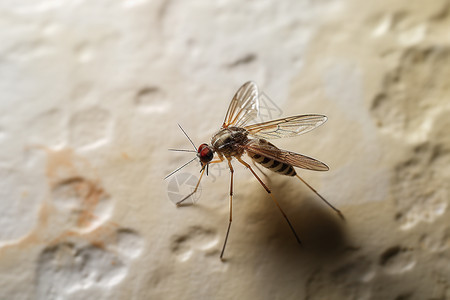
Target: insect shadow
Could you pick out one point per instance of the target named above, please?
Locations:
(322, 232)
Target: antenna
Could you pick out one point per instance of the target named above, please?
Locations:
(182, 150)
(195, 148)
(178, 169)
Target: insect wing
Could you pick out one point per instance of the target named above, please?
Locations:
(297, 160)
(244, 107)
(286, 127)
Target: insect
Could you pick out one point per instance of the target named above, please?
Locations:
(235, 138)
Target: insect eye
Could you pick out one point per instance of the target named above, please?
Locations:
(206, 154)
(201, 147)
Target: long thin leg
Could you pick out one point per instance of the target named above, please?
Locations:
(198, 183)
(273, 198)
(195, 190)
(231, 208)
(324, 200)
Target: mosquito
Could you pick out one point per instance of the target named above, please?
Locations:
(235, 138)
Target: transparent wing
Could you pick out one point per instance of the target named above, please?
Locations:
(297, 160)
(286, 127)
(244, 106)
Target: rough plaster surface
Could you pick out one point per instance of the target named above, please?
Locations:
(90, 94)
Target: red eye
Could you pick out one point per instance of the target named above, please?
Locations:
(201, 148)
(205, 153)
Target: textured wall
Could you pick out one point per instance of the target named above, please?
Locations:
(90, 96)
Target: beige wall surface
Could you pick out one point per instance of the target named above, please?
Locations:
(91, 94)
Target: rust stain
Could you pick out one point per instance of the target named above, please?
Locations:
(58, 160)
(90, 203)
(88, 192)
(74, 177)
(125, 155)
(64, 168)
(97, 237)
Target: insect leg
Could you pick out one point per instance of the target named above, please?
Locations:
(324, 200)
(216, 161)
(231, 208)
(273, 198)
(195, 190)
(198, 183)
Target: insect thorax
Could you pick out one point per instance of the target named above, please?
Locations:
(229, 141)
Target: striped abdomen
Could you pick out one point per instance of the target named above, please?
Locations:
(273, 165)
